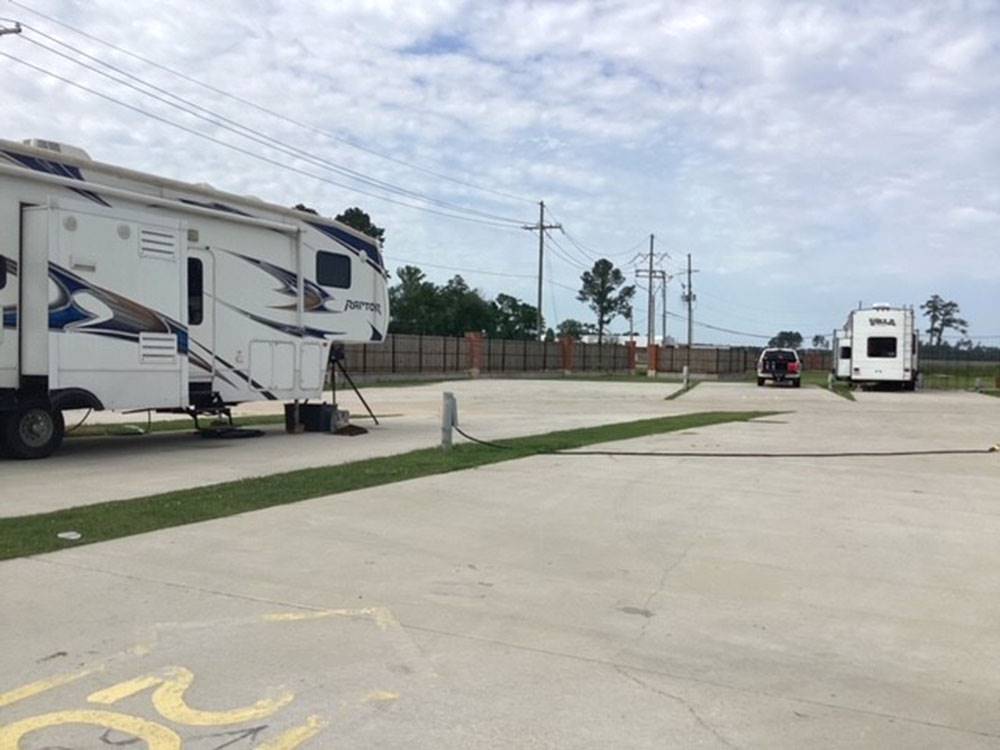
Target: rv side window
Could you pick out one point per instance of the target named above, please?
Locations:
(882, 347)
(845, 352)
(196, 292)
(333, 269)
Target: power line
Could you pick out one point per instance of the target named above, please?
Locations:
(273, 113)
(481, 272)
(247, 152)
(561, 252)
(720, 328)
(464, 270)
(252, 134)
(592, 254)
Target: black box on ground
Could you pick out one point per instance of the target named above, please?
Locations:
(312, 417)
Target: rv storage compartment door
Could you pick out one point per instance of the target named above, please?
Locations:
(272, 365)
(116, 277)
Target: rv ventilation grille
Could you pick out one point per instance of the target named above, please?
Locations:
(158, 243)
(157, 348)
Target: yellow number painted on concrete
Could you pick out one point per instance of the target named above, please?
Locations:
(156, 736)
(168, 698)
(295, 737)
(116, 692)
(169, 701)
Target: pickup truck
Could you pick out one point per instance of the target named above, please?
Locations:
(780, 366)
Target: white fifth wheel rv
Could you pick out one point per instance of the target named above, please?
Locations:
(878, 345)
(125, 291)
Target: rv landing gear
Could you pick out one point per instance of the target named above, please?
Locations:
(32, 431)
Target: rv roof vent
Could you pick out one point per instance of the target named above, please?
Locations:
(59, 148)
(881, 306)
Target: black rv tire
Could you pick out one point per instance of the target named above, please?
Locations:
(760, 381)
(33, 431)
(796, 383)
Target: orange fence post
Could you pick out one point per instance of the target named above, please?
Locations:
(475, 340)
(652, 359)
(568, 350)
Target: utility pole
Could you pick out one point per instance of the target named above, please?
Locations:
(663, 312)
(689, 297)
(690, 301)
(651, 303)
(653, 275)
(540, 227)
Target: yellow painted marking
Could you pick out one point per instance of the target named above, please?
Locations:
(115, 693)
(381, 695)
(27, 691)
(384, 618)
(293, 738)
(156, 736)
(169, 701)
(316, 615)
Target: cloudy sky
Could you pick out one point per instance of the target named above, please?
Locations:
(808, 155)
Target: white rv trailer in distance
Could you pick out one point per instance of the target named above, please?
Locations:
(878, 345)
(125, 291)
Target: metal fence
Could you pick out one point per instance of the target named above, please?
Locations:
(961, 372)
(405, 354)
(402, 356)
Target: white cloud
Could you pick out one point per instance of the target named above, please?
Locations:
(841, 148)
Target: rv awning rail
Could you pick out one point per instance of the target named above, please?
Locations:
(153, 200)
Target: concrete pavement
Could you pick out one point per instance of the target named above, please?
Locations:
(584, 602)
(91, 470)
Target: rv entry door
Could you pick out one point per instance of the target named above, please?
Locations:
(201, 322)
(8, 320)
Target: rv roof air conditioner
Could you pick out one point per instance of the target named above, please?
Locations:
(59, 148)
(881, 306)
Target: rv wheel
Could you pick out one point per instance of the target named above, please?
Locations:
(33, 431)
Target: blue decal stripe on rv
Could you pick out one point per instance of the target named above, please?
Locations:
(314, 297)
(58, 169)
(368, 248)
(289, 329)
(128, 318)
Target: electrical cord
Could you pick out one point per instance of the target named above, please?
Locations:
(835, 454)
(487, 443)
(79, 424)
(715, 454)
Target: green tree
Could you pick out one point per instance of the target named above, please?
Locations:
(358, 219)
(820, 342)
(414, 306)
(514, 319)
(602, 290)
(574, 329)
(550, 335)
(462, 309)
(942, 314)
(786, 340)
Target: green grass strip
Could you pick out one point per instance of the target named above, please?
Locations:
(35, 534)
(821, 379)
